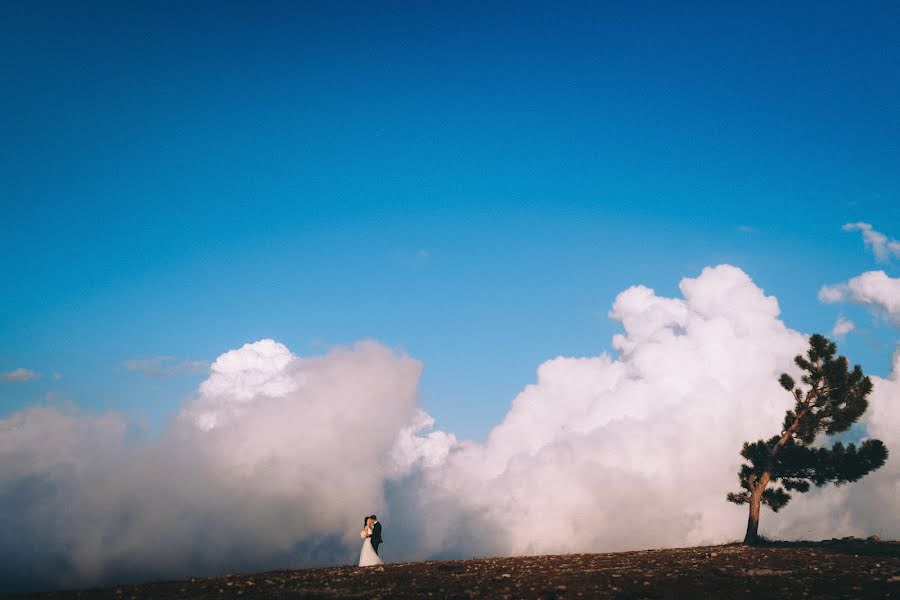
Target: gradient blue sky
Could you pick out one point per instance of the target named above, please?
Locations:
(470, 182)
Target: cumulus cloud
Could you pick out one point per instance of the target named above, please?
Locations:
(882, 247)
(18, 375)
(842, 327)
(644, 444)
(272, 463)
(418, 445)
(276, 457)
(873, 289)
(875, 504)
(166, 366)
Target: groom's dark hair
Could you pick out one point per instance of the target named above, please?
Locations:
(374, 518)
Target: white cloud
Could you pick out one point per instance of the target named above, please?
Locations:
(874, 503)
(18, 375)
(881, 246)
(272, 463)
(276, 458)
(623, 437)
(842, 327)
(873, 289)
(239, 377)
(833, 293)
(418, 445)
(646, 444)
(166, 366)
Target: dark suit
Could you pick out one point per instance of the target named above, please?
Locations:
(376, 536)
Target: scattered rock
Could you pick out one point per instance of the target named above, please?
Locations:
(758, 572)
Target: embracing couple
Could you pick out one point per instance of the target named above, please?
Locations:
(371, 535)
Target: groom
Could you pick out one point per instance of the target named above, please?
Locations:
(376, 533)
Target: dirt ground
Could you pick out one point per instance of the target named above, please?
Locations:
(833, 569)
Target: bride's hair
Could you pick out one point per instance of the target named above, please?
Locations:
(365, 522)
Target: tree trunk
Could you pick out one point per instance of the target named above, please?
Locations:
(752, 536)
(758, 486)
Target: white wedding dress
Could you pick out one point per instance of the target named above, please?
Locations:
(367, 555)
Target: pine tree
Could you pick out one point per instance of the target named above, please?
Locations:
(831, 399)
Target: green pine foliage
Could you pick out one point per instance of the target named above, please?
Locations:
(830, 398)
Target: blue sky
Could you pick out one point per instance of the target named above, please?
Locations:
(470, 182)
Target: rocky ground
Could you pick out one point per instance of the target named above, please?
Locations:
(847, 568)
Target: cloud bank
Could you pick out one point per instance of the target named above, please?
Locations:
(610, 453)
(270, 464)
(276, 457)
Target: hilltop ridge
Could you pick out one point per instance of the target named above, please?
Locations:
(848, 568)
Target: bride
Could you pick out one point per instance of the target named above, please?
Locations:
(367, 555)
